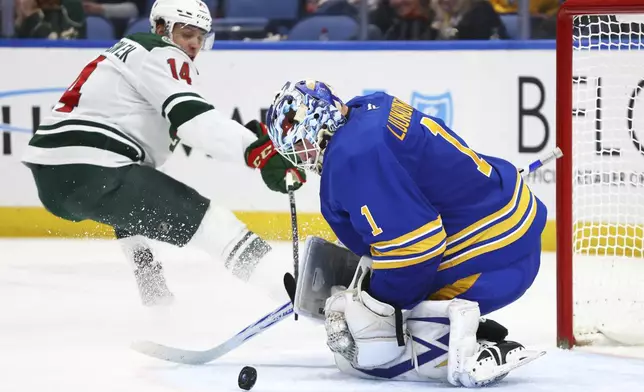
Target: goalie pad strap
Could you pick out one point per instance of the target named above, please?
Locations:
(400, 335)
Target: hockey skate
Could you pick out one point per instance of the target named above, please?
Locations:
(496, 356)
(494, 360)
(150, 280)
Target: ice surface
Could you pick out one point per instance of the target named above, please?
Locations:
(69, 310)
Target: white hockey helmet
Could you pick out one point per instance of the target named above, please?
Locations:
(185, 12)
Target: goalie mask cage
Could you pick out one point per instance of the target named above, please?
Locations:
(600, 179)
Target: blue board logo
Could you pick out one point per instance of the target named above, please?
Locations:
(441, 106)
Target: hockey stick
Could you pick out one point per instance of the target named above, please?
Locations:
(554, 154)
(290, 181)
(195, 357)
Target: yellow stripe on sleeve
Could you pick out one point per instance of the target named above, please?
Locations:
(385, 246)
(400, 263)
(415, 248)
(481, 223)
(511, 237)
(498, 228)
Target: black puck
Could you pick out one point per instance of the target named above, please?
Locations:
(247, 378)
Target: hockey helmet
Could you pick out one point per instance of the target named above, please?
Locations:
(301, 120)
(184, 12)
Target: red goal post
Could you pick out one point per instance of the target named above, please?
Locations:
(565, 166)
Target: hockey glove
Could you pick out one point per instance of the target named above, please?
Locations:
(262, 155)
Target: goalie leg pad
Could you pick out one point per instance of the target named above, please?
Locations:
(463, 323)
(439, 337)
(366, 332)
(323, 265)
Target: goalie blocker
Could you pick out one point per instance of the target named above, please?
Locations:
(434, 341)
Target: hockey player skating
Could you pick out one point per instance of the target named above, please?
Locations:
(445, 235)
(95, 156)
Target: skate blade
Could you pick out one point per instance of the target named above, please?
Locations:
(486, 378)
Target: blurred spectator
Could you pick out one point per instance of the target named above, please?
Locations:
(467, 20)
(537, 7)
(332, 7)
(111, 9)
(51, 19)
(405, 20)
(350, 8)
(119, 12)
(543, 21)
(338, 7)
(7, 15)
(382, 15)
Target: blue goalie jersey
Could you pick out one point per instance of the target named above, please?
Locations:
(402, 187)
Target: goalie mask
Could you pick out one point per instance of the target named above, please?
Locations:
(303, 117)
(183, 12)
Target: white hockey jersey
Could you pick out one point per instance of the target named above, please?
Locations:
(130, 105)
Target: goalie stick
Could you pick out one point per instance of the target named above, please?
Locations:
(196, 357)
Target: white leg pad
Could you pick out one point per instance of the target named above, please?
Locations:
(464, 320)
(428, 324)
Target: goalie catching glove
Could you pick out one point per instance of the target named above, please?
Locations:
(262, 155)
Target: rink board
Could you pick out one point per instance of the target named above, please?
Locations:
(37, 222)
(500, 96)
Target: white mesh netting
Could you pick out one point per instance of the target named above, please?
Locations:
(608, 179)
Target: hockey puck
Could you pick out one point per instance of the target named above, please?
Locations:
(247, 378)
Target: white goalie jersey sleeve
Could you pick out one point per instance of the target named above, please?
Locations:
(168, 80)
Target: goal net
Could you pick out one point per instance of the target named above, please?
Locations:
(601, 197)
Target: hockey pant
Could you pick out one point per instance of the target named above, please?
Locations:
(492, 290)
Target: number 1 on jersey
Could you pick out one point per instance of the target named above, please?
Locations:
(436, 129)
(375, 230)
